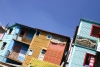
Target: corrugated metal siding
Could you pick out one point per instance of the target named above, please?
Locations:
(85, 29)
(54, 53)
(39, 63)
(7, 38)
(78, 56)
(78, 53)
(10, 43)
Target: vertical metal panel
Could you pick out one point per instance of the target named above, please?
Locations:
(54, 53)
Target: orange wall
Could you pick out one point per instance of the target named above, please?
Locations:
(54, 53)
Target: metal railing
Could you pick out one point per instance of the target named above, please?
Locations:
(23, 38)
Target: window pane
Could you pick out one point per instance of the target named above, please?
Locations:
(37, 33)
(3, 46)
(49, 36)
(30, 52)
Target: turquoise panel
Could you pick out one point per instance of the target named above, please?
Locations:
(85, 29)
(78, 56)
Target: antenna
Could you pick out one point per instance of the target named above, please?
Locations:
(81, 15)
(6, 25)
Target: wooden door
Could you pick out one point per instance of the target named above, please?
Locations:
(15, 52)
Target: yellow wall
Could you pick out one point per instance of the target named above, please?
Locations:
(39, 63)
(36, 45)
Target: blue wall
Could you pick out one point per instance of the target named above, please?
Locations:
(8, 38)
(78, 53)
(78, 56)
(23, 51)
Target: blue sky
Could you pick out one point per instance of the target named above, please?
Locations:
(58, 16)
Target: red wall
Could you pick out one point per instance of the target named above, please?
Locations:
(54, 53)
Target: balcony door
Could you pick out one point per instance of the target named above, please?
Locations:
(15, 52)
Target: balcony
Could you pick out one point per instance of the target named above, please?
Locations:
(23, 39)
(8, 55)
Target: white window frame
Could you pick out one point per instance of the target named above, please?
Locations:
(30, 53)
(50, 35)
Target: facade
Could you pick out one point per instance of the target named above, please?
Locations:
(86, 45)
(15, 44)
(22, 43)
(47, 46)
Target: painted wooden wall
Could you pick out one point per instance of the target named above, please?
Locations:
(78, 53)
(8, 38)
(40, 42)
(36, 45)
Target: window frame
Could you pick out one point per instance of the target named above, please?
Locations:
(86, 56)
(36, 33)
(29, 52)
(3, 46)
(50, 35)
(91, 34)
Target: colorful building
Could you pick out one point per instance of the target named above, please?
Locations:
(22, 43)
(15, 44)
(86, 46)
(47, 46)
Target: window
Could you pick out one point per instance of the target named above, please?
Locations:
(10, 31)
(37, 33)
(3, 46)
(89, 60)
(43, 51)
(42, 54)
(49, 36)
(95, 31)
(30, 52)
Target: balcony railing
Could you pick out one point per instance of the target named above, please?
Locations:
(8, 55)
(23, 39)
